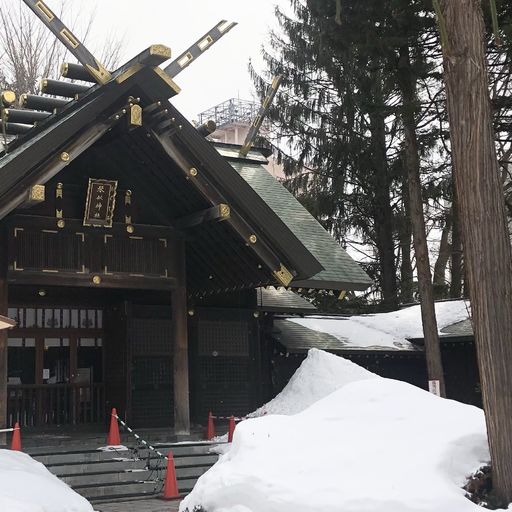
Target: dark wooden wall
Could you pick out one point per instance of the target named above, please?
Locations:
(225, 366)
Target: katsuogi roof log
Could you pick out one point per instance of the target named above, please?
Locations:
(13, 115)
(207, 127)
(17, 128)
(7, 98)
(75, 72)
(67, 89)
(45, 103)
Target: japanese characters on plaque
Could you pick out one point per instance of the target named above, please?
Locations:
(100, 204)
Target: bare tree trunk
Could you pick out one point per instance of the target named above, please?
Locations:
(383, 213)
(456, 267)
(487, 250)
(407, 84)
(406, 273)
(445, 249)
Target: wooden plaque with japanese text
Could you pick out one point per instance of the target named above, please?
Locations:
(100, 204)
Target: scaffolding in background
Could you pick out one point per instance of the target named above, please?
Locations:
(230, 112)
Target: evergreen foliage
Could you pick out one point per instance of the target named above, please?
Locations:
(340, 136)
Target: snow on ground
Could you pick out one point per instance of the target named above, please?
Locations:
(319, 375)
(373, 445)
(27, 486)
(385, 330)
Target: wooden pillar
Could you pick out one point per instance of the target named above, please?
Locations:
(180, 351)
(3, 339)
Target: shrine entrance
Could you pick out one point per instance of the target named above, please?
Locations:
(55, 366)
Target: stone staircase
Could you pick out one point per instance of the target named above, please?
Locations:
(113, 476)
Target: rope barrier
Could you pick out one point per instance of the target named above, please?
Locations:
(139, 439)
(236, 418)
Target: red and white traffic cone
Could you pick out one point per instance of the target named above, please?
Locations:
(171, 484)
(16, 438)
(231, 430)
(113, 438)
(210, 432)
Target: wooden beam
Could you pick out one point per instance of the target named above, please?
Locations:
(17, 128)
(56, 162)
(24, 116)
(219, 212)
(263, 111)
(248, 234)
(180, 351)
(70, 41)
(75, 72)
(60, 88)
(198, 48)
(207, 127)
(37, 102)
(3, 338)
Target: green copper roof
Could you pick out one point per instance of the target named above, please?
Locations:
(340, 272)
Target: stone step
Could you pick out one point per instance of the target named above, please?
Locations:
(107, 478)
(122, 488)
(130, 476)
(132, 489)
(80, 456)
(110, 466)
(96, 467)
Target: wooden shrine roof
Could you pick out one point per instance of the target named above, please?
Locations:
(284, 232)
(340, 271)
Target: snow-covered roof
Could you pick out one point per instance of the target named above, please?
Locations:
(381, 331)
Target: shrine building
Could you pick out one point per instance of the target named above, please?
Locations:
(136, 256)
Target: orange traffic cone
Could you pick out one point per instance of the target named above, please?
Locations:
(16, 438)
(113, 438)
(231, 428)
(210, 433)
(170, 485)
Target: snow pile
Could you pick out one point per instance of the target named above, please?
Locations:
(319, 375)
(375, 444)
(27, 486)
(385, 330)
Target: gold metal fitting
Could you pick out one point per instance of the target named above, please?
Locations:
(96, 279)
(135, 115)
(193, 171)
(130, 229)
(61, 223)
(8, 98)
(283, 275)
(64, 156)
(225, 211)
(36, 194)
(160, 50)
(59, 190)
(253, 239)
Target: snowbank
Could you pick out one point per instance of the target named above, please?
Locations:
(374, 444)
(27, 486)
(319, 375)
(385, 330)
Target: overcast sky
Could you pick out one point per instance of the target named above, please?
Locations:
(221, 73)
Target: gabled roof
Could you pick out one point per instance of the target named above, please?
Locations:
(280, 300)
(266, 218)
(340, 271)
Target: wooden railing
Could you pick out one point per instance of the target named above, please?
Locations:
(55, 404)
